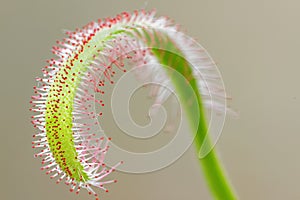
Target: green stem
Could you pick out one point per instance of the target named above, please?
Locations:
(211, 165)
(213, 170)
(180, 72)
(217, 181)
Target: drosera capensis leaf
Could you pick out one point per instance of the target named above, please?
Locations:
(86, 62)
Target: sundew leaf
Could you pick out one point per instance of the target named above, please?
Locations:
(86, 62)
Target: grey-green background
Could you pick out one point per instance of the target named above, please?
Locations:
(256, 45)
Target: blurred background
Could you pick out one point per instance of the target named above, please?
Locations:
(256, 45)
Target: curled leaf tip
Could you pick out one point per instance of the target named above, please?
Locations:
(85, 62)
